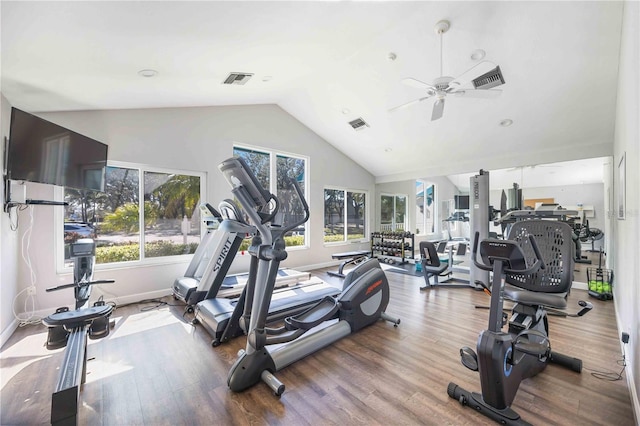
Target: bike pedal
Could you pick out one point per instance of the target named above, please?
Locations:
(469, 358)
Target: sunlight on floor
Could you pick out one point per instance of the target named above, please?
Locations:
(22, 354)
(32, 348)
(98, 369)
(144, 321)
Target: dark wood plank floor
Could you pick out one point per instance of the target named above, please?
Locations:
(156, 369)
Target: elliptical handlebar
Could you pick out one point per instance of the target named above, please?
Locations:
(294, 183)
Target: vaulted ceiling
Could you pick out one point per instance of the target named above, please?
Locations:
(327, 63)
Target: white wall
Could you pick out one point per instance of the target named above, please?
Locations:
(8, 246)
(195, 139)
(626, 242)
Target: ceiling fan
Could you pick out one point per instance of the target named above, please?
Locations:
(476, 82)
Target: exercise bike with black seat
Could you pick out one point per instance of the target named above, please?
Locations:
(536, 264)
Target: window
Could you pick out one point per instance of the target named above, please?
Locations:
(167, 225)
(393, 212)
(344, 215)
(425, 208)
(284, 167)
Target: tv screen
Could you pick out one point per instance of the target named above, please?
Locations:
(461, 202)
(43, 152)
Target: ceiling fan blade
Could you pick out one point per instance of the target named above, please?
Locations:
(438, 109)
(481, 93)
(476, 71)
(412, 82)
(409, 103)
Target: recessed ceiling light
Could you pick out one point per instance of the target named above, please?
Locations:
(267, 78)
(478, 54)
(147, 73)
(388, 149)
(392, 56)
(506, 122)
(346, 111)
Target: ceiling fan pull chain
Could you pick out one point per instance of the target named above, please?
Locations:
(441, 53)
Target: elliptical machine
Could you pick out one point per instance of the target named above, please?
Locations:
(361, 303)
(505, 359)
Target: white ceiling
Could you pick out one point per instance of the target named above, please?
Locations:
(559, 60)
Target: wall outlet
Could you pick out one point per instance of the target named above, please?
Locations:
(31, 291)
(625, 337)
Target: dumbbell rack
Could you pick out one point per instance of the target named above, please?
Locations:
(393, 247)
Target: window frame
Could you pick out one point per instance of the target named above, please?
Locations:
(394, 215)
(273, 183)
(437, 225)
(59, 217)
(367, 209)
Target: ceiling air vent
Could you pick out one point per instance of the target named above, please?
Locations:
(358, 124)
(237, 78)
(491, 79)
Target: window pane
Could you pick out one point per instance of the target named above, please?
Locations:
(419, 207)
(110, 217)
(171, 214)
(355, 215)
(333, 215)
(259, 164)
(386, 212)
(401, 212)
(291, 168)
(430, 209)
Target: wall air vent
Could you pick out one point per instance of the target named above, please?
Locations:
(358, 124)
(491, 79)
(237, 78)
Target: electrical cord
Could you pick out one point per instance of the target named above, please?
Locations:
(611, 375)
(158, 303)
(31, 318)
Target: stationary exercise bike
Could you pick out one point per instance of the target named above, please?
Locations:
(70, 329)
(361, 303)
(505, 359)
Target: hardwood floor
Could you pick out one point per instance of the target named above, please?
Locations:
(155, 369)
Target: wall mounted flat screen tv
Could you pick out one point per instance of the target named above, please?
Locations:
(44, 152)
(461, 202)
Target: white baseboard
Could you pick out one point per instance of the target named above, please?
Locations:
(633, 389)
(7, 332)
(580, 286)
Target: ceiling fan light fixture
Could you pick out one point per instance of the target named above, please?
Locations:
(442, 27)
(147, 73)
(478, 54)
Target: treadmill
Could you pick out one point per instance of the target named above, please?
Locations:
(211, 261)
(206, 276)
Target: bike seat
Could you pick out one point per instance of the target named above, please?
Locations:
(528, 297)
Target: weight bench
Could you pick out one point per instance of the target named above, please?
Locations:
(349, 257)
